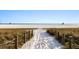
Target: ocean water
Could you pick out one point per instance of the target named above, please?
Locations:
(42, 40)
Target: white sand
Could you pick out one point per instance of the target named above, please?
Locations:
(39, 26)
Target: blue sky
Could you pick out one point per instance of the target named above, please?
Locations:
(39, 16)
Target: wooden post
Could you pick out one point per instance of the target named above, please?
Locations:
(63, 39)
(24, 37)
(31, 33)
(28, 35)
(70, 43)
(16, 42)
(58, 34)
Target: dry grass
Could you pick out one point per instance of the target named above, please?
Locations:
(8, 35)
(74, 32)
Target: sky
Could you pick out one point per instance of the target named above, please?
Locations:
(39, 16)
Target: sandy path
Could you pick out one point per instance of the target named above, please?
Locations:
(42, 40)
